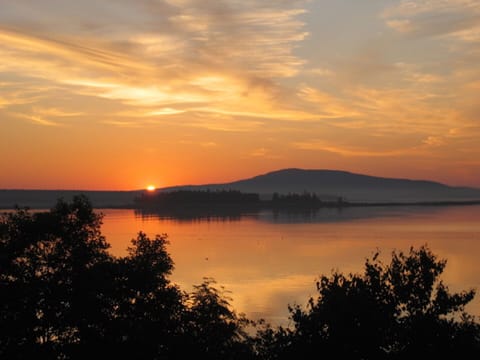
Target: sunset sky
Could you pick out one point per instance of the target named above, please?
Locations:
(120, 94)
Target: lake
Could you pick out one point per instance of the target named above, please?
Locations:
(267, 261)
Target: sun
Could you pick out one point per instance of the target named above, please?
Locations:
(151, 188)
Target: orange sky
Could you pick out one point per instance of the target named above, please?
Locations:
(122, 94)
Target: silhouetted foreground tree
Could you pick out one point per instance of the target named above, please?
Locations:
(51, 280)
(399, 310)
(63, 296)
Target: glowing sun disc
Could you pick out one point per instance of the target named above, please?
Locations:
(151, 188)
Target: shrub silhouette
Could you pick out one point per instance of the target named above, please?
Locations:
(63, 296)
(398, 310)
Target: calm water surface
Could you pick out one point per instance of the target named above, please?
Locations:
(268, 261)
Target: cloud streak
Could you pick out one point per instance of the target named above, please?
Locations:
(180, 55)
(455, 18)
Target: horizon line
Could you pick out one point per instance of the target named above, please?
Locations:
(237, 180)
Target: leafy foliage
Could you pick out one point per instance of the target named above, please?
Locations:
(397, 310)
(49, 300)
(65, 297)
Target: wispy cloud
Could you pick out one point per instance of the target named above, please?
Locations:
(123, 123)
(434, 141)
(326, 105)
(12, 94)
(55, 112)
(219, 56)
(221, 123)
(417, 7)
(455, 18)
(264, 153)
(38, 120)
(347, 150)
(205, 144)
(320, 71)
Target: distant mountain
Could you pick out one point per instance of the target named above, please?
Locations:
(331, 184)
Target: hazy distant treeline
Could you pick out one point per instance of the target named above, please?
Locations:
(195, 198)
(206, 199)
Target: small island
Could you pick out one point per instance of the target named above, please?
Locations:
(234, 203)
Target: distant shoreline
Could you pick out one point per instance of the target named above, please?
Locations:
(226, 209)
(189, 201)
(233, 211)
(265, 206)
(420, 203)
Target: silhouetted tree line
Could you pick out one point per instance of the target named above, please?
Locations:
(303, 200)
(185, 201)
(197, 198)
(63, 296)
